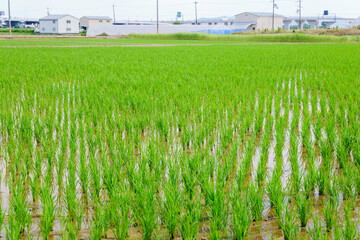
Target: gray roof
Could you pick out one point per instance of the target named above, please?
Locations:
(243, 25)
(97, 17)
(262, 14)
(55, 17)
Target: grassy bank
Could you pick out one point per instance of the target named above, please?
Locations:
(290, 37)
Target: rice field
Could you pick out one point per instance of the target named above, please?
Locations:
(220, 141)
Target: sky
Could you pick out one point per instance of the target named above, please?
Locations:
(146, 9)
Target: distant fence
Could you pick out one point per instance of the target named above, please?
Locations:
(116, 30)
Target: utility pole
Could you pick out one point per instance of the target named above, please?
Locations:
(157, 16)
(48, 11)
(299, 14)
(273, 16)
(196, 21)
(9, 18)
(114, 13)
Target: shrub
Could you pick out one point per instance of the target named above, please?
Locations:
(17, 30)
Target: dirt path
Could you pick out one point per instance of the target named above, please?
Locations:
(154, 45)
(110, 45)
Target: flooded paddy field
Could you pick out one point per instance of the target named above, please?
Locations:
(185, 142)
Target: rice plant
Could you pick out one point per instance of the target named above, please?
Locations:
(190, 219)
(241, 215)
(118, 142)
(304, 208)
(289, 223)
(316, 232)
(330, 213)
(49, 208)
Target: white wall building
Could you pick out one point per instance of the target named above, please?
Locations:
(59, 24)
(355, 23)
(87, 22)
(258, 21)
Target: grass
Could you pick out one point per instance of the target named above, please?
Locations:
(286, 37)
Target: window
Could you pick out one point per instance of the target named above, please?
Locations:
(107, 20)
(43, 29)
(68, 29)
(54, 21)
(54, 29)
(100, 20)
(68, 21)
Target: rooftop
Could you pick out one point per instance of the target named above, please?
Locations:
(262, 14)
(55, 17)
(97, 17)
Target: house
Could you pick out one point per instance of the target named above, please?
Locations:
(59, 24)
(258, 21)
(87, 22)
(23, 22)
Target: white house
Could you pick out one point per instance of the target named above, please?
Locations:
(87, 22)
(258, 20)
(59, 24)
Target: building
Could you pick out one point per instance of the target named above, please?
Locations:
(355, 23)
(22, 22)
(87, 22)
(59, 24)
(258, 21)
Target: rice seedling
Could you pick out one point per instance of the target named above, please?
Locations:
(322, 179)
(196, 152)
(172, 205)
(256, 196)
(274, 189)
(218, 206)
(49, 209)
(330, 213)
(190, 219)
(241, 215)
(347, 183)
(337, 234)
(2, 216)
(304, 208)
(350, 226)
(145, 209)
(19, 212)
(120, 219)
(316, 232)
(98, 229)
(289, 224)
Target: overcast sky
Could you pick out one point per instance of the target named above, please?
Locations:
(146, 9)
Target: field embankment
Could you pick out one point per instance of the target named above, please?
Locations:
(281, 37)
